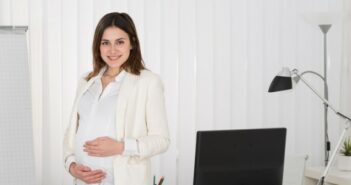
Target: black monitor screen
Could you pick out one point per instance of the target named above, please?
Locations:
(240, 157)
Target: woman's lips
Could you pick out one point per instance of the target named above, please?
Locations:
(114, 57)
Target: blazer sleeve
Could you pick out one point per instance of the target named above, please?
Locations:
(157, 139)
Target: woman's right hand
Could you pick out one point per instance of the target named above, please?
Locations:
(84, 173)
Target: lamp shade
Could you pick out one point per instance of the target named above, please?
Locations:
(282, 81)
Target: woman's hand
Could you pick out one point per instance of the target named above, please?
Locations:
(85, 174)
(103, 147)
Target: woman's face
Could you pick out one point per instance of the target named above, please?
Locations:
(115, 47)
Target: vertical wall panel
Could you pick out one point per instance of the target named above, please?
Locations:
(170, 75)
(222, 64)
(69, 63)
(205, 65)
(271, 54)
(20, 12)
(100, 9)
(151, 51)
(187, 91)
(119, 5)
(287, 58)
(301, 104)
(36, 71)
(152, 19)
(52, 127)
(35, 34)
(255, 88)
(5, 13)
(239, 63)
(14, 12)
(86, 28)
(335, 58)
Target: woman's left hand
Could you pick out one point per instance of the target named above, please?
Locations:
(103, 147)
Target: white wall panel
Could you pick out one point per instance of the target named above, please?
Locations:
(334, 63)
(152, 50)
(35, 42)
(255, 88)
(287, 58)
(5, 13)
(119, 5)
(14, 12)
(20, 12)
(52, 120)
(170, 75)
(222, 64)
(86, 28)
(152, 41)
(205, 65)
(304, 29)
(187, 90)
(239, 66)
(271, 30)
(100, 8)
(69, 63)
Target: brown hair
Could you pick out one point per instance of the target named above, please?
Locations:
(123, 21)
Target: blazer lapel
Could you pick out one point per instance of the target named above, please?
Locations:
(127, 87)
(86, 86)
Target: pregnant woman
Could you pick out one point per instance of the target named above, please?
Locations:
(119, 119)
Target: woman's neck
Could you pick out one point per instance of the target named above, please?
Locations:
(112, 72)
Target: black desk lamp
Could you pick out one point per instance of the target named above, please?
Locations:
(284, 81)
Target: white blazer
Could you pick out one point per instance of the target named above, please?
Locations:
(141, 115)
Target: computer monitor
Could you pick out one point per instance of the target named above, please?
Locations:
(240, 157)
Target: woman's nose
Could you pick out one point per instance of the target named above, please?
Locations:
(114, 48)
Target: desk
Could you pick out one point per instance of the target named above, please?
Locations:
(334, 177)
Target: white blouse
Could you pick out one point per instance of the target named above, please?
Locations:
(97, 118)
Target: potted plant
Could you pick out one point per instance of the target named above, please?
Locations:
(344, 161)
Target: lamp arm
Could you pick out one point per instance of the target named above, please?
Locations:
(299, 76)
(319, 75)
(326, 102)
(295, 72)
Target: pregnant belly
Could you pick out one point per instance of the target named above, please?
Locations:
(102, 163)
(87, 132)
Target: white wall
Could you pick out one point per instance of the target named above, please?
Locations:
(216, 58)
(14, 12)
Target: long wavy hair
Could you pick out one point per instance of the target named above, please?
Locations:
(123, 21)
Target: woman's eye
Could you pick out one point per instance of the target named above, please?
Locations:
(104, 43)
(120, 42)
